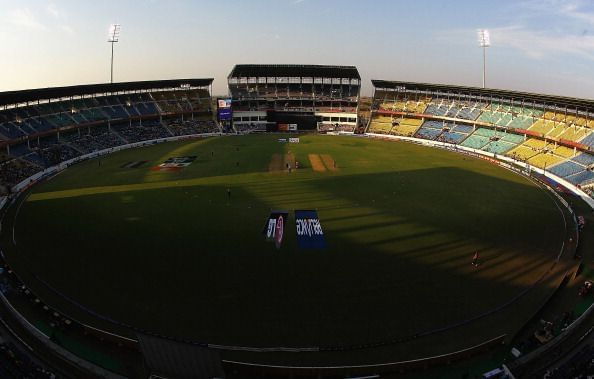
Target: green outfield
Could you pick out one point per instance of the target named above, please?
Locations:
(169, 252)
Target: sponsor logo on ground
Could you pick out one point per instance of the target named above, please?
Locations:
(175, 163)
(310, 234)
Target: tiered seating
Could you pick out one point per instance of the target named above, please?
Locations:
(439, 109)
(93, 139)
(430, 130)
(560, 125)
(380, 124)
(509, 116)
(585, 159)
(451, 137)
(490, 117)
(199, 100)
(499, 147)
(60, 120)
(513, 138)
(585, 176)
(176, 101)
(475, 141)
(581, 121)
(544, 160)
(10, 130)
(410, 106)
(501, 142)
(574, 133)
(566, 168)
(19, 150)
(558, 129)
(78, 117)
(486, 139)
(187, 127)
(116, 112)
(51, 152)
(530, 148)
(542, 126)
(462, 128)
(468, 111)
(15, 170)
(79, 111)
(93, 114)
(454, 133)
(521, 122)
(146, 109)
(406, 126)
(104, 137)
(146, 131)
(564, 152)
(27, 126)
(41, 124)
(588, 140)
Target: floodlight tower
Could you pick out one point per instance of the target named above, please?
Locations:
(113, 37)
(484, 42)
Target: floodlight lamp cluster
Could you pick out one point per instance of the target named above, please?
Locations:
(484, 38)
(114, 33)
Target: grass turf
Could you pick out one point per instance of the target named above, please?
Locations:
(168, 252)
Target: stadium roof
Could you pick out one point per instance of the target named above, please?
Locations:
(488, 92)
(31, 95)
(294, 70)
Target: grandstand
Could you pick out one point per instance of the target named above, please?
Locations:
(308, 97)
(41, 128)
(548, 132)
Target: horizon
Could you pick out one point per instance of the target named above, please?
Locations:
(537, 46)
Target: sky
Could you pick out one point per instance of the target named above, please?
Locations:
(542, 46)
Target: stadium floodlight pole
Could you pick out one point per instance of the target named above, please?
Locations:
(113, 37)
(484, 42)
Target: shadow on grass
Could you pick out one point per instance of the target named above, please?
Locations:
(187, 262)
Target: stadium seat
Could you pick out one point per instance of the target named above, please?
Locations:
(475, 141)
(566, 168)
